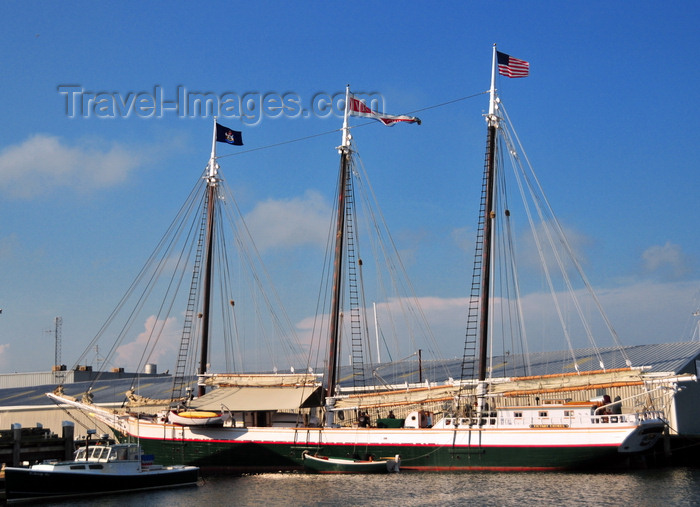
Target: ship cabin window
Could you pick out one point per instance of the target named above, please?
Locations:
(568, 413)
(518, 414)
(543, 413)
(77, 467)
(95, 467)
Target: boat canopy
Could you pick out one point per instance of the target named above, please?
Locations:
(250, 399)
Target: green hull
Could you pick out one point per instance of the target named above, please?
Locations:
(236, 457)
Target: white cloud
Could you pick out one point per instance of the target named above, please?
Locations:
(667, 260)
(401, 326)
(290, 222)
(165, 332)
(44, 162)
(641, 313)
(464, 238)
(529, 253)
(649, 312)
(529, 256)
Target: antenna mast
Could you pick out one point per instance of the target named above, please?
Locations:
(58, 368)
(57, 338)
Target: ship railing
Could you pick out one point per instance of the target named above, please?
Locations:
(491, 419)
(650, 414)
(576, 420)
(634, 418)
(613, 418)
(487, 419)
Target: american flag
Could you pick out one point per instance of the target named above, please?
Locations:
(512, 67)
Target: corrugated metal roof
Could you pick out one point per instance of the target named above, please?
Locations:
(104, 391)
(666, 357)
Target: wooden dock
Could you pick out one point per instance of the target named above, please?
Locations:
(19, 445)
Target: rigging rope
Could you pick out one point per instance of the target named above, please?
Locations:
(162, 250)
(372, 122)
(279, 317)
(556, 225)
(385, 248)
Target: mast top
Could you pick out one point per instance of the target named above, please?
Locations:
(492, 118)
(345, 146)
(213, 166)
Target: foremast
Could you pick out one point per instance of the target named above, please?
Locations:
(212, 183)
(336, 296)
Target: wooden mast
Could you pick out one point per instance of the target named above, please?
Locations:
(334, 331)
(212, 182)
(489, 215)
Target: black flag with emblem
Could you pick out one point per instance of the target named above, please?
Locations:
(228, 136)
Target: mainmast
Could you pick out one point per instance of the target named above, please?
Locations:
(212, 182)
(489, 215)
(334, 331)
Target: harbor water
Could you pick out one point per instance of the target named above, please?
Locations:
(639, 488)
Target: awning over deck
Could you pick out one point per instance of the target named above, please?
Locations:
(252, 399)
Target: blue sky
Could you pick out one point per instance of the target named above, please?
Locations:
(607, 117)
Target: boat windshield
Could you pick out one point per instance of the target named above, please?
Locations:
(96, 453)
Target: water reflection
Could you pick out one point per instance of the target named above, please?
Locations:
(677, 487)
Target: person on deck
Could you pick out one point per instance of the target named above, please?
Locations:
(363, 420)
(616, 408)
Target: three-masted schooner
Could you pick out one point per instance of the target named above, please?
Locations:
(476, 433)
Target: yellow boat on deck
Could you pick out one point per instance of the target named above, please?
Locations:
(198, 418)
